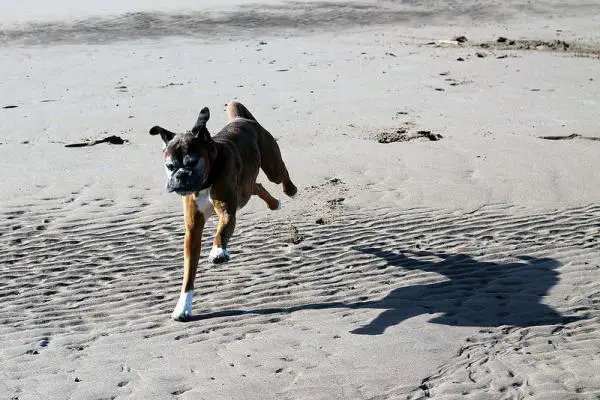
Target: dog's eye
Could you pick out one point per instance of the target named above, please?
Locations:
(192, 163)
(171, 167)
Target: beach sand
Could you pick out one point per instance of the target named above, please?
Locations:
(405, 268)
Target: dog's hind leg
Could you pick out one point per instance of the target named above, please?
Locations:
(272, 164)
(260, 191)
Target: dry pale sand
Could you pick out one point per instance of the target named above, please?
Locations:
(467, 267)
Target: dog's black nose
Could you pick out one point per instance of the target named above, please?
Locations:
(183, 173)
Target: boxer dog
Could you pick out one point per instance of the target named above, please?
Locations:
(217, 175)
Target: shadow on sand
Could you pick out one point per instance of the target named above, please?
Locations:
(476, 293)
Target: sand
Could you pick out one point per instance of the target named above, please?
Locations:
(463, 267)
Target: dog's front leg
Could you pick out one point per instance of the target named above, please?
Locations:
(194, 225)
(226, 212)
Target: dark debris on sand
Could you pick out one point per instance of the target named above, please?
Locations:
(570, 137)
(503, 43)
(401, 135)
(113, 139)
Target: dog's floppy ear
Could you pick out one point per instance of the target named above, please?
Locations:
(199, 128)
(164, 134)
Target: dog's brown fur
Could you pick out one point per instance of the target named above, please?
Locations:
(232, 159)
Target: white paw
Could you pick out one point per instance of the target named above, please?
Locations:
(218, 255)
(183, 309)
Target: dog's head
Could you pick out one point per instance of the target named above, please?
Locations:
(188, 156)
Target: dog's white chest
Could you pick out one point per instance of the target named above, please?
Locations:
(204, 203)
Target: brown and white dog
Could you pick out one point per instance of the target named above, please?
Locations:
(217, 175)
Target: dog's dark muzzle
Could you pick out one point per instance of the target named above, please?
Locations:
(185, 181)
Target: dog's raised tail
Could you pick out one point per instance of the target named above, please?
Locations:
(238, 110)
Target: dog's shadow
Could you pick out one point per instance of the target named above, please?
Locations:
(474, 293)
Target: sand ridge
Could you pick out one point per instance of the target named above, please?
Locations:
(497, 268)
